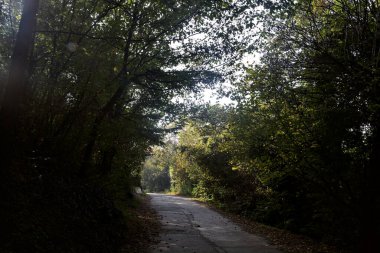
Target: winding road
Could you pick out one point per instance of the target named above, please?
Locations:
(188, 226)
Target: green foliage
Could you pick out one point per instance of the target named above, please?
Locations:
(301, 148)
(155, 174)
(310, 133)
(181, 182)
(92, 93)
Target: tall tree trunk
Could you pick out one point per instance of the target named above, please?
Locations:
(16, 87)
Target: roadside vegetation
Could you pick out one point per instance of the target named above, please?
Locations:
(86, 88)
(89, 91)
(300, 148)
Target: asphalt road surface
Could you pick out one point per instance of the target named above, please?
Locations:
(188, 226)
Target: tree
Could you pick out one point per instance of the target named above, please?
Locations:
(310, 117)
(303, 136)
(16, 89)
(98, 86)
(155, 174)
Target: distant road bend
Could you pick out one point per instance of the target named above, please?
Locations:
(188, 226)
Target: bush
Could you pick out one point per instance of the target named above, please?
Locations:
(55, 215)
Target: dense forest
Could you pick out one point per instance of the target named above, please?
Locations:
(93, 104)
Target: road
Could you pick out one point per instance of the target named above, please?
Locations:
(188, 226)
